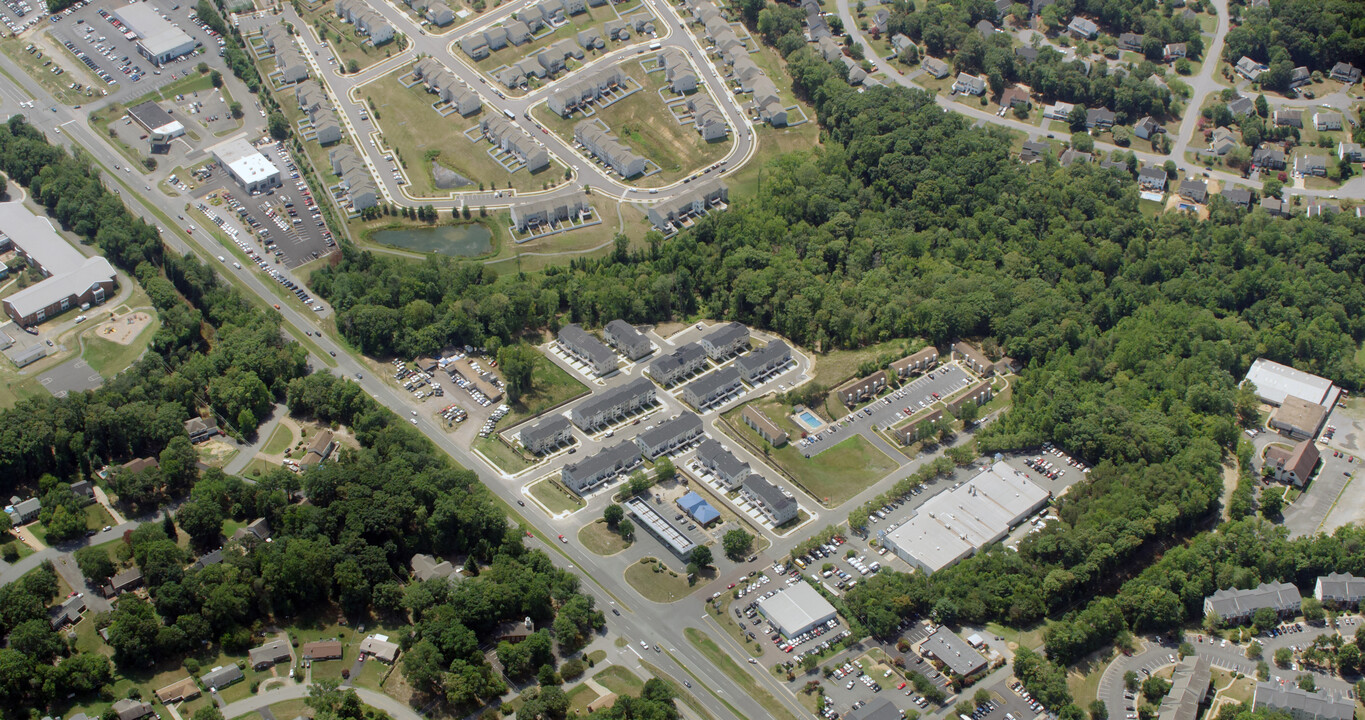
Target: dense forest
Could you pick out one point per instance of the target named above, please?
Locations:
(1291, 33)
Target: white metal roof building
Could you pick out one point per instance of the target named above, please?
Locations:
(796, 609)
(1274, 382)
(72, 278)
(957, 523)
(251, 169)
(158, 40)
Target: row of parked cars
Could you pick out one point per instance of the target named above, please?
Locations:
(1019, 690)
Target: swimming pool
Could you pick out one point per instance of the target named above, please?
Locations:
(809, 420)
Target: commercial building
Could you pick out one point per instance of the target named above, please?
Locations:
(1233, 605)
(1342, 590)
(70, 278)
(678, 364)
(918, 362)
(859, 389)
(711, 388)
(764, 361)
(766, 429)
(547, 434)
(722, 464)
(607, 407)
(275, 651)
(697, 508)
(1295, 466)
(160, 126)
(669, 435)
(775, 503)
(876, 710)
(485, 382)
(596, 470)
(956, 655)
(625, 338)
(425, 567)
(660, 527)
(584, 347)
(222, 676)
(1189, 689)
(954, 524)
(796, 610)
(323, 650)
(247, 166)
(1298, 418)
(1275, 382)
(725, 340)
(157, 39)
(1286, 697)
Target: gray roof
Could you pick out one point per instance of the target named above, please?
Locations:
(711, 382)
(954, 652)
(69, 272)
(771, 495)
(613, 396)
(775, 351)
(671, 362)
(271, 652)
(1190, 683)
(685, 423)
(626, 334)
(549, 427)
(1274, 382)
(882, 709)
(1239, 196)
(223, 676)
(577, 338)
(1302, 704)
(713, 454)
(1340, 586)
(1233, 603)
(726, 334)
(620, 454)
(1152, 173)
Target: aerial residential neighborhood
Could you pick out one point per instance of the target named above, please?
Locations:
(682, 359)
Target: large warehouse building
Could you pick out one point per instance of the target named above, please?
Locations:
(72, 279)
(796, 609)
(157, 39)
(1304, 399)
(955, 524)
(251, 169)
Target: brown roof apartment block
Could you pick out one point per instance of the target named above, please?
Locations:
(922, 360)
(975, 360)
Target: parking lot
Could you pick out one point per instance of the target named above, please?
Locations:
(286, 222)
(916, 396)
(19, 15)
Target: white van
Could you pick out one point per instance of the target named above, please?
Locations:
(237, 265)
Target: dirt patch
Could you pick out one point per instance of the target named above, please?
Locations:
(123, 329)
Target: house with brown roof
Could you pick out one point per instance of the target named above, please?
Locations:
(258, 527)
(1298, 418)
(973, 359)
(123, 582)
(183, 689)
(1015, 96)
(980, 394)
(766, 429)
(918, 362)
(1295, 465)
(320, 449)
(140, 464)
(322, 650)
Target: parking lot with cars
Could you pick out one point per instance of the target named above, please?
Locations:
(288, 225)
(19, 15)
(916, 396)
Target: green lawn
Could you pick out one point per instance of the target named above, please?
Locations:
(834, 475)
(343, 38)
(11, 541)
(258, 467)
(507, 459)
(736, 673)
(280, 440)
(57, 85)
(620, 680)
(600, 539)
(412, 130)
(665, 586)
(646, 125)
(551, 385)
(555, 499)
(371, 675)
(110, 358)
(579, 699)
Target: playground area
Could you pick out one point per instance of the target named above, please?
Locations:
(123, 329)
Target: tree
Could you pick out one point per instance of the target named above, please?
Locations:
(1077, 119)
(1254, 650)
(1130, 681)
(1185, 650)
(208, 712)
(216, 78)
(202, 520)
(518, 364)
(613, 514)
(35, 639)
(626, 529)
(1348, 659)
(422, 666)
(235, 110)
(1272, 502)
(1312, 610)
(1264, 619)
(1098, 710)
(1283, 657)
(664, 470)
(1154, 688)
(982, 697)
(352, 66)
(1082, 142)
(737, 544)
(701, 555)
(278, 125)
(1306, 683)
(94, 564)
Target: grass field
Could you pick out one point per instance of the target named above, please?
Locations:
(834, 475)
(746, 682)
(290, 709)
(110, 358)
(553, 498)
(579, 699)
(411, 129)
(550, 386)
(600, 539)
(661, 587)
(620, 680)
(280, 440)
(54, 84)
(646, 125)
(258, 467)
(504, 457)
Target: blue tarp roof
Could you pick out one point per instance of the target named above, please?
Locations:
(704, 513)
(690, 501)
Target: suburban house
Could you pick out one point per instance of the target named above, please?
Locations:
(1241, 105)
(1268, 156)
(973, 359)
(775, 504)
(669, 435)
(1274, 206)
(935, 67)
(1295, 466)
(547, 434)
(1346, 72)
(379, 647)
(1033, 151)
(68, 612)
(1015, 96)
(275, 651)
(1223, 141)
(1232, 605)
(624, 337)
(258, 528)
(1147, 128)
(1340, 590)
(1152, 178)
(766, 429)
(1287, 118)
(1299, 77)
(1174, 51)
(1327, 120)
(1310, 165)
(1249, 69)
(222, 676)
(201, 429)
(83, 490)
(1130, 41)
(1194, 190)
(1058, 111)
(322, 650)
(320, 449)
(917, 362)
(123, 582)
(970, 84)
(587, 349)
(183, 689)
(1349, 152)
(24, 511)
(1099, 118)
(604, 408)
(1241, 197)
(128, 709)
(859, 389)
(425, 567)
(1082, 28)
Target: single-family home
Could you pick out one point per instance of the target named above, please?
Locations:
(1194, 190)
(1288, 118)
(1083, 28)
(935, 67)
(1268, 157)
(1250, 69)
(1147, 128)
(1100, 118)
(970, 84)
(1223, 141)
(1240, 197)
(1152, 178)
(1346, 72)
(1310, 165)
(1326, 121)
